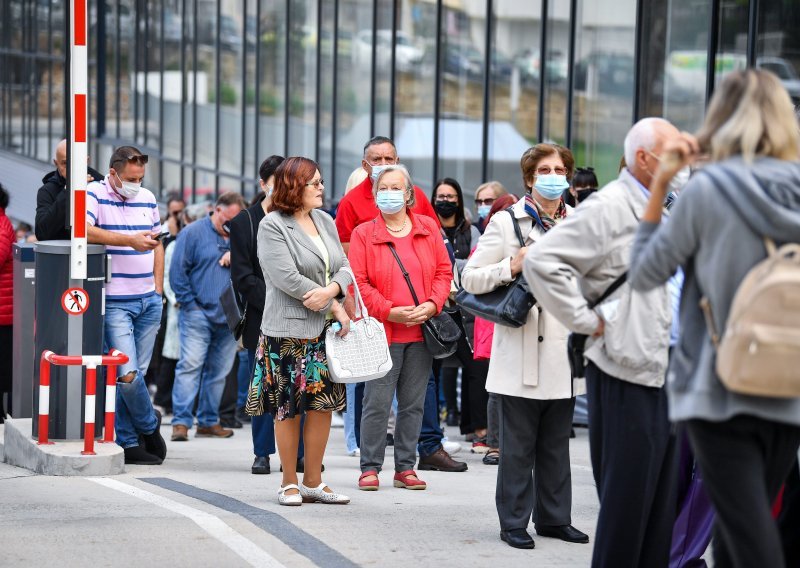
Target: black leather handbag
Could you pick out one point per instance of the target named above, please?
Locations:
(506, 305)
(441, 333)
(576, 344)
(235, 313)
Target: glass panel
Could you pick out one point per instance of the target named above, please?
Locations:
(514, 105)
(271, 77)
(326, 99)
(732, 44)
(210, 88)
(251, 162)
(463, 40)
(604, 90)
(415, 51)
(231, 98)
(354, 97)
(778, 47)
(303, 77)
(555, 69)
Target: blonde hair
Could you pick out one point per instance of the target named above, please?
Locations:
(496, 186)
(359, 174)
(750, 115)
(411, 200)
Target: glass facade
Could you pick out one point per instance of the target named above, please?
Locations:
(210, 88)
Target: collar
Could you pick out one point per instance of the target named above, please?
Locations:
(365, 187)
(111, 190)
(380, 234)
(642, 188)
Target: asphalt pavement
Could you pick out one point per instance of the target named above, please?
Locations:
(203, 507)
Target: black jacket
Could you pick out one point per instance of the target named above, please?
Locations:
(248, 280)
(52, 206)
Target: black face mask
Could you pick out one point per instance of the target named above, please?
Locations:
(584, 193)
(446, 208)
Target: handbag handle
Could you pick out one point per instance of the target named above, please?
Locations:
(517, 230)
(361, 308)
(405, 273)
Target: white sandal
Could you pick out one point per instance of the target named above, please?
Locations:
(319, 495)
(290, 500)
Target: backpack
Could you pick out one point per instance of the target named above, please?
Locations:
(759, 352)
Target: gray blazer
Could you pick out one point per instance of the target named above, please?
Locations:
(292, 266)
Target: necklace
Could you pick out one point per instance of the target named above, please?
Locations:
(403, 226)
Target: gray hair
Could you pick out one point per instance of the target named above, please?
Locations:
(195, 211)
(643, 135)
(412, 197)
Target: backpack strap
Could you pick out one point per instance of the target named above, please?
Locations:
(772, 249)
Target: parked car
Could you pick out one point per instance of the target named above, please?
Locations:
(528, 62)
(786, 73)
(614, 73)
(408, 55)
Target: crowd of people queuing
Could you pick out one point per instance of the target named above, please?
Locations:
(673, 449)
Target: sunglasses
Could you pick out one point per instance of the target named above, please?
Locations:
(487, 201)
(140, 159)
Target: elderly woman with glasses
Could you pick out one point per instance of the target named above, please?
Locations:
(418, 243)
(485, 196)
(529, 369)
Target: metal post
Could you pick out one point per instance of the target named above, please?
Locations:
(89, 408)
(111, 403)
(77, 137)
(752, 34)
(44, 399)
(542, 71)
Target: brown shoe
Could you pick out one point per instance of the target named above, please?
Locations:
(441, 461)
(180, 433)
(215, 431)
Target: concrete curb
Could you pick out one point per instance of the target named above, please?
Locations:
(61, 458)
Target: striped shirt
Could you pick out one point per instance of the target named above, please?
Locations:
(131, 270)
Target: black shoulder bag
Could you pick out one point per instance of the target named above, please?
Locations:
(235, 314)
(576, 344)
(506, 305)
(441, 333)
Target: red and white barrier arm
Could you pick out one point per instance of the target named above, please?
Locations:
(78, 137)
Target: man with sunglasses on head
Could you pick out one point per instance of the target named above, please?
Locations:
(123, 215)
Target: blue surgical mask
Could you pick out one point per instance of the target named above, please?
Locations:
(376, 171)
(483, 211)
(551, 186)
(391, 201)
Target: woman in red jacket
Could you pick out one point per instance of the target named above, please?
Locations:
(418, 242)
(7, 239)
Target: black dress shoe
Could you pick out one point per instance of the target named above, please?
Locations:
(518, 538)
(154, 443)
(137, 455)
(567, 533)
(230, 422)
(260, 465)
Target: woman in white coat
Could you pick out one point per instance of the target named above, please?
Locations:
(529, 369)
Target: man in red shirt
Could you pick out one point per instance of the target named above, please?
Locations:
(358, 205)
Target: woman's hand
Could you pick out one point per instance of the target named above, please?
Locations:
(401, 314)
(516, 262)
(677, 153)
(422, 313)
(225, 259)
(341, 316)
(318, 298)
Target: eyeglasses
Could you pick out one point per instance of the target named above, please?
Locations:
(452, 198)
(487, 201)
(317, 184)
(140, 159)
(546, 170)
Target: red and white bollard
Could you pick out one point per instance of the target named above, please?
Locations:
(111, 400)
(44, 398)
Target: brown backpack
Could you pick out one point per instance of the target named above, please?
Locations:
(759, 352)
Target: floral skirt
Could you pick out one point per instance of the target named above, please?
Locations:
(291, 377)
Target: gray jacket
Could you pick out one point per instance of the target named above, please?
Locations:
(715, 233)
(594, 243)
(292, 266)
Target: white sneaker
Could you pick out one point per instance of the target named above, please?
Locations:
(355, 453)
(291, 500)
(451, 448)
(319, 495)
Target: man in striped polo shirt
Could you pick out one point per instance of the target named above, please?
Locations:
(123, 215)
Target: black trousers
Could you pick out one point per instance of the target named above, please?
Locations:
(789, 519)
(632, 449)
(166, 378)
(227, 402)
(6, 367)
(744, 462)
(534, 479)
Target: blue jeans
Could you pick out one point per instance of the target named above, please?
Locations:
(350, 420)
(243, 376)
(430, 436)
(263, 426)
(131, 327)
(207, 352)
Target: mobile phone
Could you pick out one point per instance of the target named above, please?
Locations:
(160, 236)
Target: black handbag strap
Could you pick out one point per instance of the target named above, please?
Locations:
(517, 230)
(610, 290)
(405, 273)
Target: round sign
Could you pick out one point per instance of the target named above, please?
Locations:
(75, 301)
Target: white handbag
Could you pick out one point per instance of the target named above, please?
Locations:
(362, 354)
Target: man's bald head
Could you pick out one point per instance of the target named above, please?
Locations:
(60, 158)
(643, 146)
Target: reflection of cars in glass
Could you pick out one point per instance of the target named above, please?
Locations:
(613, 73)
(407, 54)
(785, 72)
(464, 60)
(528, 63)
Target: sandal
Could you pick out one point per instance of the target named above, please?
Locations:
(368, 485)
(492, 457)
(408, 480)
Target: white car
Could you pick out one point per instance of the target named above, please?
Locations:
(408, 54)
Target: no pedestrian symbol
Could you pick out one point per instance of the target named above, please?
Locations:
(75, 301)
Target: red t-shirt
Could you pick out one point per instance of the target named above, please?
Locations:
(358, 206)
(401, 295)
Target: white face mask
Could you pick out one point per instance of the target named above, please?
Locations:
(129, 188)
(679, 180)
(376, 170)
